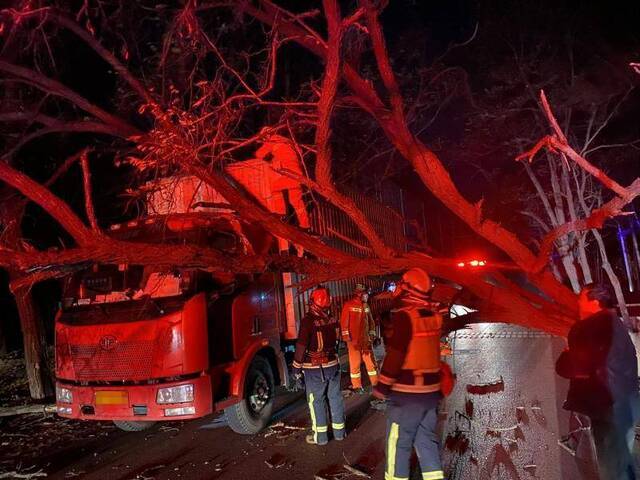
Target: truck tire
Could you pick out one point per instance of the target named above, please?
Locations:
(253, 412)
(133, 426)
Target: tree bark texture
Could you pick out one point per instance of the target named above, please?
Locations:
(3, 339)
(38, 375)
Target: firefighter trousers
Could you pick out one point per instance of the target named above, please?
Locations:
(356, 357)
(323, 385)
(614, 438)
(411, 423)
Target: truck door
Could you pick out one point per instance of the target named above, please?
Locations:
(255, 314)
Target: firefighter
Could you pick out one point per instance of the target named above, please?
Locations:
(358, 331)
(411, 380)
(271, 182)
(316, 361)
(280, 153)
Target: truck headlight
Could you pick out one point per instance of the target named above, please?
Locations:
(181, 394)
(63, 395)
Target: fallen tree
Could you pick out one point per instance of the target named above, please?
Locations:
(188, 120)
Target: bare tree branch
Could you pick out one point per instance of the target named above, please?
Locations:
(88, 196)
(56, 88)
(595, 220)
(426, 163)
(53, 205)
(51, 14)
(558, 142)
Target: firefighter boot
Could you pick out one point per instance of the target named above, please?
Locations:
(311, 440)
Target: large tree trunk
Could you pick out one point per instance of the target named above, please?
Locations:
(3, 340)
(35, 356)
(33, 338)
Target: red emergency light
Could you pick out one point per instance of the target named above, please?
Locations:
(472, 263)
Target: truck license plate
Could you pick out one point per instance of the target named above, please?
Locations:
(112, 397)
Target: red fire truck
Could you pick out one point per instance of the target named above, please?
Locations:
(137, 345)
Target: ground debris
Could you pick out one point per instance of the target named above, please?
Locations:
(286, 427)
(338, 472)
(27, 409)
(282, 430)
(276, 461)
(73, 474)
(167, 428)
(23, 475)
(356, 471)
(146, 474)
(25, 435)
(379, 405)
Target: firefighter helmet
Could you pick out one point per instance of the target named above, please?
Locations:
(321, 297)
(416, 280)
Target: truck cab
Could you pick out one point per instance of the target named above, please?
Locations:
(138, 345)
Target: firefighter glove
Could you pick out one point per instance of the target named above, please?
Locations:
(298, 382)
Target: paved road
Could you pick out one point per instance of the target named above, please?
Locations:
(502, 421)
(207, 449)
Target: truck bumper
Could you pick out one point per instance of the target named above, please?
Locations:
(135, 402)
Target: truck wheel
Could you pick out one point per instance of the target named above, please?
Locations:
(252, 414)
(132, 426)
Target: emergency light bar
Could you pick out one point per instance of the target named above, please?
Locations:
(473, 263)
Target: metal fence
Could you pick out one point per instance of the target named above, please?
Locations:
(338, 230)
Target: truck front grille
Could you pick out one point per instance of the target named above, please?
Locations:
(124, 361)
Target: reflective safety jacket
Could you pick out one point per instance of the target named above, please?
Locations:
(412, 363)
(317, 341)
(356, 324)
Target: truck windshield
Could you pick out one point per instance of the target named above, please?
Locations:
(102, 284)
